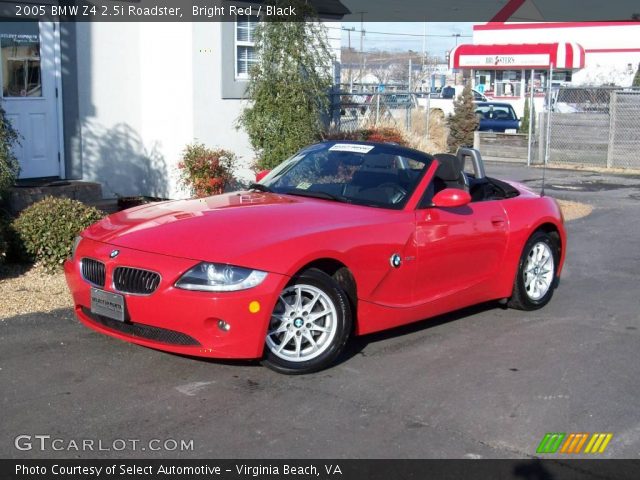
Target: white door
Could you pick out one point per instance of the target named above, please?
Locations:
(28, 73)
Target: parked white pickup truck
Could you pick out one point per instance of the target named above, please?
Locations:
(445, 105)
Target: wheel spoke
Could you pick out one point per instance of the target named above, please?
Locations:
(282, 328)
(535, 291)
(298, 342)
(311, 340)
(318, 328)
(298, 303)
(528, 280)
(544, 260)
(285, 341)
(312, 303)
(314, 317)
(287, 307)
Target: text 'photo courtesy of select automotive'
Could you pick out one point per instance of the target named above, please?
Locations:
(319, 239)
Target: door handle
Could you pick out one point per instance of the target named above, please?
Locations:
(497, 221)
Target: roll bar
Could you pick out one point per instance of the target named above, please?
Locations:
(476, 159)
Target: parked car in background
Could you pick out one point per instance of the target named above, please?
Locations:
(443, 103)
(582, 99)
(448, 92)
(497, 117)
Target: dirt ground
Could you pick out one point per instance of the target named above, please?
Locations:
(574, 210)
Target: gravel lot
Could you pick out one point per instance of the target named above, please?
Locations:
(29, 289)
(483, 382)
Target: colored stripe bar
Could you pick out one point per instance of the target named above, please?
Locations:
(550, 443)
(581, 443)
(598, 443)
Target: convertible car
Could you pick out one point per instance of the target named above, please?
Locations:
(342, 239)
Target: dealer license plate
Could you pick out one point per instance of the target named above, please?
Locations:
(107, 304)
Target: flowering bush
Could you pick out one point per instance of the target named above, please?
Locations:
(206, 171)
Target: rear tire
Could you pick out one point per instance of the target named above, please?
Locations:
(536, 278)
(309, 326)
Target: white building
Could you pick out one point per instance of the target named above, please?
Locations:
(508, 59)
(116, 103)
(612, 49)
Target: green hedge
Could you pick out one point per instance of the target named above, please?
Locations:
(47, 228)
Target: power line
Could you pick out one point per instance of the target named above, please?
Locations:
(419, 35)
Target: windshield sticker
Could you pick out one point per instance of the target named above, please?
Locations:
(303, 186)
(350, 147)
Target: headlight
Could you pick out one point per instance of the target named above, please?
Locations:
(76, 242)
(214, 277)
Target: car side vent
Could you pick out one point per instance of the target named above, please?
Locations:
(135, 280)
(93, 271)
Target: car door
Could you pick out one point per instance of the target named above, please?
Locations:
(459, 250)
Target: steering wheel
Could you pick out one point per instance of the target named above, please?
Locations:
(399, 193)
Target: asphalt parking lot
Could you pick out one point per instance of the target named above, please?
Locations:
(481, 383)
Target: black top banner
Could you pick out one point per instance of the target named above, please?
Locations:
(346, 10)
(524, 469)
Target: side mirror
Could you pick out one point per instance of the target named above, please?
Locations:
(451, 197)
(261, 174)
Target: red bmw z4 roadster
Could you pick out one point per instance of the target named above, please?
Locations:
(342, 239)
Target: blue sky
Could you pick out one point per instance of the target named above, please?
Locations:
(403, 36)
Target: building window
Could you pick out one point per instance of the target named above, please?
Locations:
(20, 59)
(245, 44)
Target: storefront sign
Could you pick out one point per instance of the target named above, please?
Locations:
(516, 61)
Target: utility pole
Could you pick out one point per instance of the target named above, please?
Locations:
(424, 44)
(349, 30)
(361, 46)
(457, 36)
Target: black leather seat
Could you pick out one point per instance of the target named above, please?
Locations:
(450, 173)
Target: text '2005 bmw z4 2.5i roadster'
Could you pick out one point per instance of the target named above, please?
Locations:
(342, 239)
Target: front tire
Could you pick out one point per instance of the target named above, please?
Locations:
(536, 278)
(309, 326)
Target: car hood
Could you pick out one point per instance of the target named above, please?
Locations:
(227, 227)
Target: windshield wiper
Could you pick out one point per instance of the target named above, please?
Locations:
(260, 187)
(314, 194)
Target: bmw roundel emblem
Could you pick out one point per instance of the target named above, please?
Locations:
(395, 260)
(114, 253)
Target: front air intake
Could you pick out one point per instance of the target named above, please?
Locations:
(135, 281)
(93, 271)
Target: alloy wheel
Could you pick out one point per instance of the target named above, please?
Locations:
(539, 271)
(303, 323)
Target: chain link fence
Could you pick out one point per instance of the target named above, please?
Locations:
(586, 126)
(399, 110)
(362, 110)
(590, 126)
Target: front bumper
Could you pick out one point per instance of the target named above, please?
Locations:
(175, 320)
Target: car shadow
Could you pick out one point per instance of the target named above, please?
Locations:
(357, 345)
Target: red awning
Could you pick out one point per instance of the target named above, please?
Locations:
(507, 57)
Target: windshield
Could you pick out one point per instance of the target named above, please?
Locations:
(351, 172)
(496, 112)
